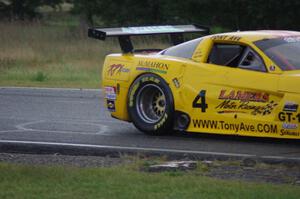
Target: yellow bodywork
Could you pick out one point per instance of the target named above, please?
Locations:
(237, 101)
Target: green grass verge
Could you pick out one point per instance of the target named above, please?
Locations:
(55, 53)
(126, 182)
(39, 54)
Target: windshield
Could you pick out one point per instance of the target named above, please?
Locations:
(285, 52)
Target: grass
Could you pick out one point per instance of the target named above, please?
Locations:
(125, 182)
(41, 55)
(55, 52)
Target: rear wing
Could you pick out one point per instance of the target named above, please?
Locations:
(175, 31)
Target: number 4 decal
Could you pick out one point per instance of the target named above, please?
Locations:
(202, 104)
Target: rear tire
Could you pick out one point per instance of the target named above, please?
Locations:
(151, 105)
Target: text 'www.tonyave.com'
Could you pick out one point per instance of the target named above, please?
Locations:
(236, 127)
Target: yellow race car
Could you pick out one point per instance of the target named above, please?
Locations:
(239, 83)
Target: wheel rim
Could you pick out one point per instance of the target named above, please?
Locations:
(151, 103)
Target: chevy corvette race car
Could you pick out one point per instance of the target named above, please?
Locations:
(240, 83)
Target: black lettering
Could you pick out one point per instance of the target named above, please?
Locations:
(242, 127)
(266, 128)
(227, 104)
(205, 124)
(203, 104)
(273, 128)
(260, 128)
(281, 116)
(234, 38)
(289, 116)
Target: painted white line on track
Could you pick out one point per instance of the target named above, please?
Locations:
(103, 132)
(76, 102)
(11, 131)
(22, 126)
(100, 120)
(102, 129)
(145, 149)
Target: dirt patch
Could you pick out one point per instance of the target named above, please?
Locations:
(244, 170)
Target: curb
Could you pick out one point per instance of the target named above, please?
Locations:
(25, 147)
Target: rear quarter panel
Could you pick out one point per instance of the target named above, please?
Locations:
(120, 71)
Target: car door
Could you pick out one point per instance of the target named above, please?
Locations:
(249, 91)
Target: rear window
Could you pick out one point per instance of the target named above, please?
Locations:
(184, 50)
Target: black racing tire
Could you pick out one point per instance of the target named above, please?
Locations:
(151, 105)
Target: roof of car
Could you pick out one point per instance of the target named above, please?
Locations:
(260, 34)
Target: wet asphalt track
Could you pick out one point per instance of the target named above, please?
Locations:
(77, 117)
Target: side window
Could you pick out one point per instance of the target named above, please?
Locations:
(234, 55)
(226, 54)
(184, 50)
(252, 61)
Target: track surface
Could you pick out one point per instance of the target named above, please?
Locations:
(75, 116)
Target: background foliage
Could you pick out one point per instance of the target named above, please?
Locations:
(229, 14)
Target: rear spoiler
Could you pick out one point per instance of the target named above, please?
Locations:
(175, 31)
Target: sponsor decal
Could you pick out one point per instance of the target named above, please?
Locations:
(111, 105)
(290, 107)
(241, 127)
(176, 83)
(237, 101)
(272, 68)
(231, 111)
(151, 66)
(110, 93)
(284, 132)
(198, 54)
(226, 37)
(243, 107)
(236, 127)
(156, 65)
(116, 69)
(289, 126)
(151, 70)
(289, 117)
(244, 96)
